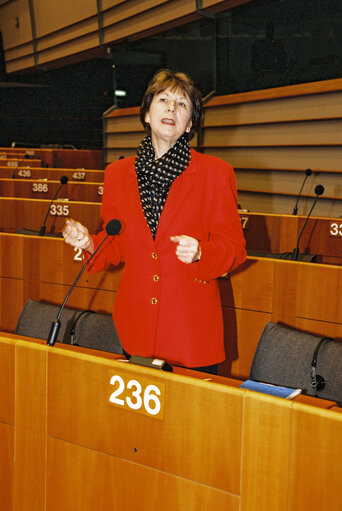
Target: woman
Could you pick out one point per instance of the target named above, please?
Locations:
(180, 232)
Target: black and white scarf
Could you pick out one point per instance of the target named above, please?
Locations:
(155, 177)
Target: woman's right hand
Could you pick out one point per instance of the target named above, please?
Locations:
(77, 235)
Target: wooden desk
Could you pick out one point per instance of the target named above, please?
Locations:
(20, 162)
(302, 295)
(52, 174)
(18, 213)
(279, 234)
(55, 157)
(44, 189)
(74, 436)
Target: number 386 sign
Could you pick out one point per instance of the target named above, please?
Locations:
(138, 396)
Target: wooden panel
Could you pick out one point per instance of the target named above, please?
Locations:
(189, 420)
(243, 329)
(31, 189)
(250, 286)
(30, 213)
(290, 157)
(314, 283)
(11, 302)
(278, 182)
(265, 463)
(53, 174)
(316, 106)
(315, 469)
(6, 382)
(6, 466)
(81, 298)
(20, 162)
(30, 431)
(120, 484)
(124, 140)
(259, 202)
(276, 134)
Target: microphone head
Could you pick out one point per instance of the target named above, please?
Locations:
(113, 227)
(319, 189)
(308, 172)
(64, 180)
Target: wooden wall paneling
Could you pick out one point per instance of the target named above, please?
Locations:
(315, 467)
(281, 203)
(30, 431)
(124, 140)
(265, 459)
(189, 418)
(304, 133)
(283, 181)
(287, 157)
(265, 110)
(120, 484)
(115, 154)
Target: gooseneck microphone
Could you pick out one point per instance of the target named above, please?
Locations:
(112, 228)
(63, 180)
(319, 190)
(308, 173)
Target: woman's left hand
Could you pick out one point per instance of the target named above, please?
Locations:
(188, 249)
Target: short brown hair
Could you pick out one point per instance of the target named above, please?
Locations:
(165, 79)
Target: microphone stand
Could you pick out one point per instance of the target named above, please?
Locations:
(113, 227)
(318, 190)
(64, 180)
(308, 173)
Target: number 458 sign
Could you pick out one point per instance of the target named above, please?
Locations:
(138, 396)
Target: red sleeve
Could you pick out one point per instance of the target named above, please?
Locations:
(226, 248)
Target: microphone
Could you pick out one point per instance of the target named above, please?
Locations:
(318, 191)
(308, 173)
(63, 180)
(112, 228)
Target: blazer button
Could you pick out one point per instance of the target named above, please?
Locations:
(154, 301)
(154, 255)
(155, 278)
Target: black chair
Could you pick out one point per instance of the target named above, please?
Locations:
(83, 328)
(291, 358)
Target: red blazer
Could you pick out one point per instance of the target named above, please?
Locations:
(165, 308)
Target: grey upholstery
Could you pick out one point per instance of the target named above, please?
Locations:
(284, 356)
(91, 330)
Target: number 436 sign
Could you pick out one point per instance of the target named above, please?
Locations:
(138, 396)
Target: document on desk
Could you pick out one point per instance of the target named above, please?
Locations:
(273, 390)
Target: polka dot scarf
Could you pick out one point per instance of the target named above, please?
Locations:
(155, 177)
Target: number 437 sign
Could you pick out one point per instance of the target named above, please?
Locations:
(138, 396)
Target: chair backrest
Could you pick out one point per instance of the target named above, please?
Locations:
(84, 328)
(284, 357)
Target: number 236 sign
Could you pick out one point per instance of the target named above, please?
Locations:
(137, 395)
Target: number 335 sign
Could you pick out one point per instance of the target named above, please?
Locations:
(138, 396)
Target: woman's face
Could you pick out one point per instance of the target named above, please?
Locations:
(169, 116)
